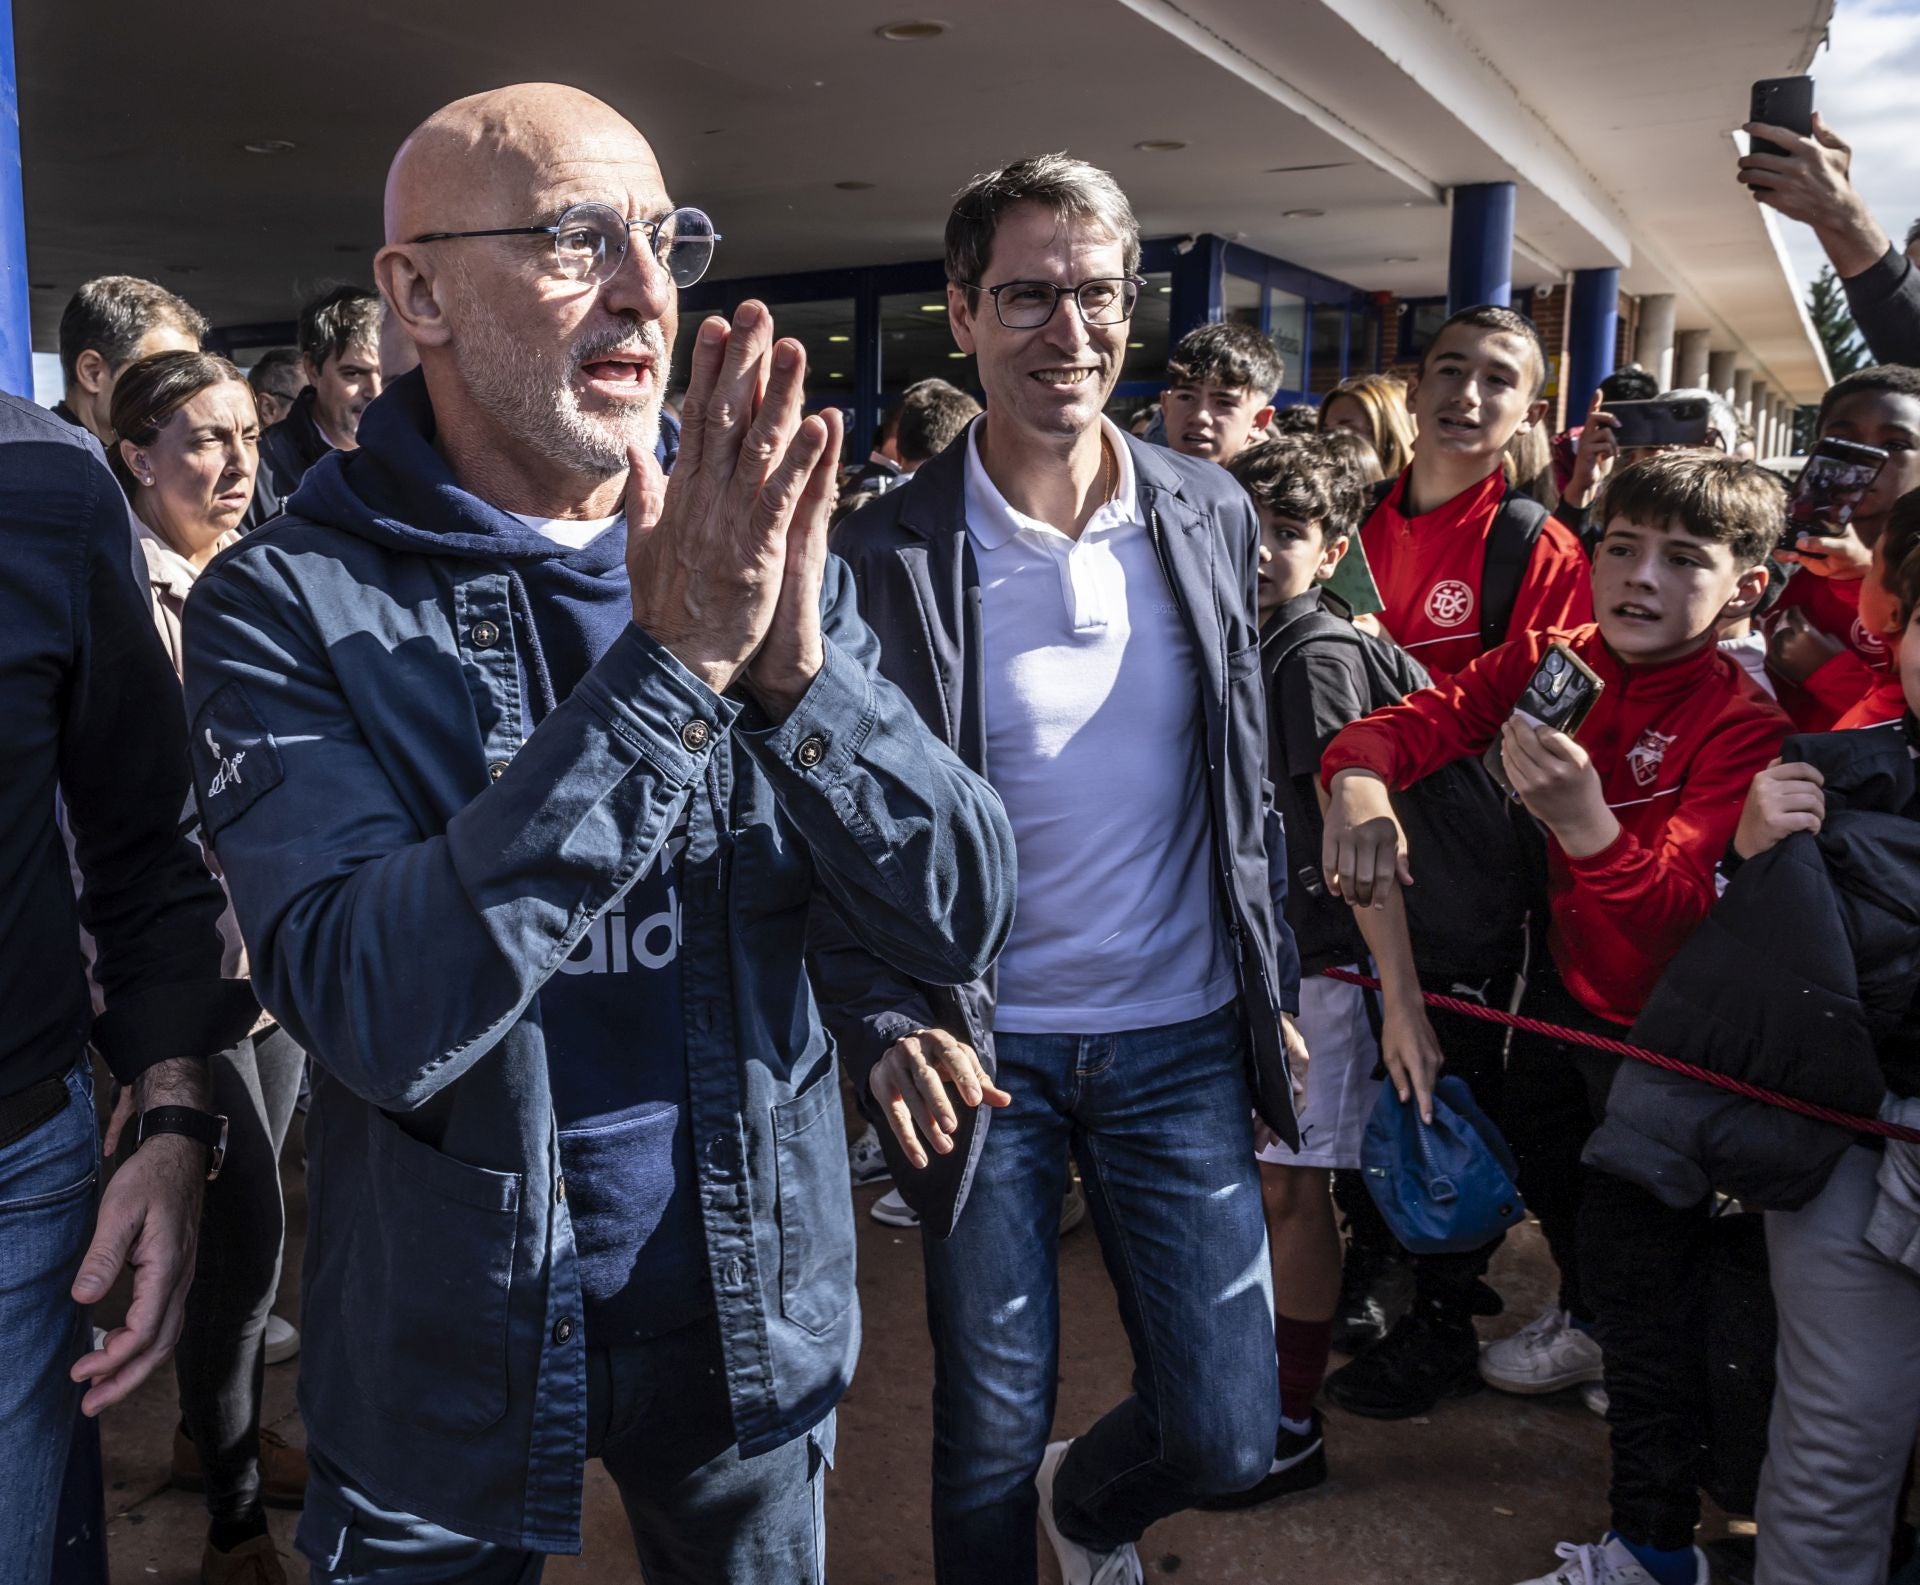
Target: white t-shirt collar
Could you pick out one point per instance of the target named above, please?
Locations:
(572, 532)
(993, 520)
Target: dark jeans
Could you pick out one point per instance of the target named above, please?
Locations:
(47, 1202)
(1160, 1123)
(221, 1354)
(657, 1417)
(1634, 1265)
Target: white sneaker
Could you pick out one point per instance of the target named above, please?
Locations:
(1081, 1565)
(866, 1161)
(1073, 1209)
(283, 1340)
(1610, 1563)
(1594, 1395)
(890, 1210)
(1543, 1356)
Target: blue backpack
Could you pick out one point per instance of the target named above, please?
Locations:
(1443, 1187)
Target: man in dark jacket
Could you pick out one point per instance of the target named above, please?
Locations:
(340, 358)
(93, 722)
(523, 817)
(1809, 182)
(1074, 611)
(112, 321)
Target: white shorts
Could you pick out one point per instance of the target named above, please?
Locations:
(1342, 1052)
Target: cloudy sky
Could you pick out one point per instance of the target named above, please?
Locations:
(1867, 88)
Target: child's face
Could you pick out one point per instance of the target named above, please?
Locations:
(1345, 412)
(1910, 660)
(1659, 593)
(1890, 420)
(1474, 393)
(1212, 420)
(1294, 556)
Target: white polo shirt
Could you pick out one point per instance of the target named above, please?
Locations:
(1095, 745)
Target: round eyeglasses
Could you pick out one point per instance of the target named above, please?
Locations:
(1027, 305)
(590, 242)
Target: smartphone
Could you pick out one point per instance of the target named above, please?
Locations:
(1560, 694)
(1836, 476)
(1782, 102)
(1661, 421)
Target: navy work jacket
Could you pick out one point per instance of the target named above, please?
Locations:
(410, 859)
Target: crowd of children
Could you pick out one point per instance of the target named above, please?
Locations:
(1410, 593)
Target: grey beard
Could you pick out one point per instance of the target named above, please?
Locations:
(517, 390)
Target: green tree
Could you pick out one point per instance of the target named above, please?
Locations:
(1833, 323)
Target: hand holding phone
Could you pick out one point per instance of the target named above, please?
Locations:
(1560, 694)
(1660, 421)
(1784, 102)
(1834, 481)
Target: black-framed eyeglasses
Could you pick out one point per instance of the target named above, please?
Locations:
(1027, 305)
(590, 242)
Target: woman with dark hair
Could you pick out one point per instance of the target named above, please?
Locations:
(186, 453)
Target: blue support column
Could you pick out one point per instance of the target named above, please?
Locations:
(866, 369)
(16, 324)
(1480, 256)
(1197, 287)
(1594, 325)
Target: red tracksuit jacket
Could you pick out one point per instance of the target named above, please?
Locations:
(1849, 678)
(1429, 570)
(1676, 746)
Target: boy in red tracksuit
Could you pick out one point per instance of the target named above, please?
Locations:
(1830, 652)
(1427, 541)
(1638, 807)
(1881, 612)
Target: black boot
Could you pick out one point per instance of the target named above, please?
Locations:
(1432, 1353)
(1375, 1289)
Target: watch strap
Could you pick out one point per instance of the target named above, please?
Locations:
(208, 1128)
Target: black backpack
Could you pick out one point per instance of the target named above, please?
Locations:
(1511, 536)
(1473, 875)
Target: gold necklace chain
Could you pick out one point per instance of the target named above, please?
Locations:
(1108, 482)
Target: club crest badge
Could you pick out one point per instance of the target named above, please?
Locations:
(1449, 603)
(1644, 758)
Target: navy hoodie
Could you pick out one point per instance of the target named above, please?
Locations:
(612, 1014)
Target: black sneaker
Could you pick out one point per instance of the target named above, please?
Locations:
(1426, 1357)
(1374, 1293)
(1299, 1464)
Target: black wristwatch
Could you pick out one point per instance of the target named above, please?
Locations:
(210, 1128)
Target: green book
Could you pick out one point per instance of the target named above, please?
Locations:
(1352, 581)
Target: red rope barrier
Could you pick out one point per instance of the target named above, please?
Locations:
(1720, 1081)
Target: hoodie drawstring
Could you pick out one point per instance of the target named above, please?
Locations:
(521, 608)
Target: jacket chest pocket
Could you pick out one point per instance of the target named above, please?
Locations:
(816, 1220)
(434, 1238)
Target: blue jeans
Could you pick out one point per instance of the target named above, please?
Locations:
(657, 1417)
(1160, 1122)
(47, 1188)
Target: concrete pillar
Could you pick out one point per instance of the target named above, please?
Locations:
(1653, 341)
(1690, 352)
(1761, 417)
(1743, 393)
(1480, 253)
(1593, 317)
(16, 324)
(1720, 373)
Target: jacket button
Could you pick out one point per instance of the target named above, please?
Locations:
(485, 635)
(560, 1190)
(563, 1329)
(696, 734)
(496, 770)
(811, 752)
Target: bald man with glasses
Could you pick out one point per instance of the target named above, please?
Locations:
(527, 772)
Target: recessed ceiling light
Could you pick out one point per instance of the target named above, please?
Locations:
(1136, 345)
(911, 32)
(956, 354)
(839, 338)
(836, 374)
(1301, 214)
(1160, 145)
(268, 146)
(933, 308)
(853, 187)
(1400, 258)
(1166, 291)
